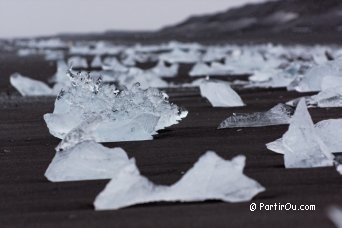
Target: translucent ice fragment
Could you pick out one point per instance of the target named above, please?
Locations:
(77, 62)
(330, 131)
(331, 97)
(220, 94)
(314, 78)
(87, 160)
(145, 78)
(211, 177)
(335, 214)
(301, 144)
(279, 114)
(61, 74)
(112, 63)
(97, 62)
(30, 87)
(163, 70)
(126, 115)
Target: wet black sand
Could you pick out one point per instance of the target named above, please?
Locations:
(27, 199)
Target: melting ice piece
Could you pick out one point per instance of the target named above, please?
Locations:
(145, 78)
(301, 144)
(279, 114)
(335, 214)
(30, 87)
(165, 71)
(97, 62)
(126, 115)
(112, 63)
(220, 94)
(61, 74)
(331, 97)
(211, 178)
(316, 77)
(329, 132)
(77, 62)
(87, 160)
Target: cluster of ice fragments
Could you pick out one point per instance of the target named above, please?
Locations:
(211, 177)
(110, 114)
(298, 68)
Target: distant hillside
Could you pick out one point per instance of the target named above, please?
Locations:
(298, 17)
(283, 21)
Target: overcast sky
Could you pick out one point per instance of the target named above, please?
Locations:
(47, 17)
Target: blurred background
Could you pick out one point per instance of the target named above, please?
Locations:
(40, 17)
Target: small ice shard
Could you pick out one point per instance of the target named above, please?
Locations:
(335, 214)
(77, 62)
(97, 62)
(301, 144)
(163, 70)
(87, 160)
(276, 146)
(211, 178)
(220, 94)
(279, 114)
(30, 87)
(126, 115)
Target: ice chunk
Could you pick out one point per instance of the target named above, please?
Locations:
(61, 74)
(335, 214)
(112, 63)
(145, 78)
(87, 160)
(301, 144)
(220, 94)
(165, 71)
(331, 97)
(126, 115)
(329, 132)
(30, 87)
(97, 62)
(210, 178)
(279, 114)
(314, 78)
(77, 62)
